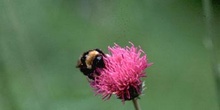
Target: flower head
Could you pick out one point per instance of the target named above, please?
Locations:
(124, 68)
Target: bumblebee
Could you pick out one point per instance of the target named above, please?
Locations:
(90, 61)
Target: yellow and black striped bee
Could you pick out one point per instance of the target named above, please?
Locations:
(90, 61)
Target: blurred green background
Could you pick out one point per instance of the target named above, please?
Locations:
(41, 40)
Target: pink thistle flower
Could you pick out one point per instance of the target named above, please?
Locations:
(124, 68)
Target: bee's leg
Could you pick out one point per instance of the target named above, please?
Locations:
(91, 76)
(96, 73)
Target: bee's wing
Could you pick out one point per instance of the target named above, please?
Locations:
(79, 63)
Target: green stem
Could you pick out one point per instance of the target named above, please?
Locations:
(136, 104)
